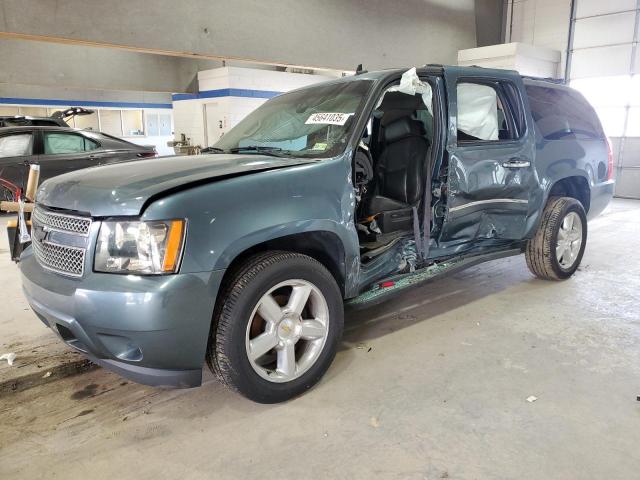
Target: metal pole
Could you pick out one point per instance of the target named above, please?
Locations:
(572, 26)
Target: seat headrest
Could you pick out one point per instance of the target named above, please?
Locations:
(401, 101)
(402, 128)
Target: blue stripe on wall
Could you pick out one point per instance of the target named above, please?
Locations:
(223, 92)
(226, 92)
(80, 103)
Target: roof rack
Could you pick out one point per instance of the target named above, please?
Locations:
(557, 81)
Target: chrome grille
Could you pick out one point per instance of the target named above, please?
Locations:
(60, 258)
(54, 255)
(62, 223)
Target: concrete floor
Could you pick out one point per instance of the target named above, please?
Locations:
(431, 385)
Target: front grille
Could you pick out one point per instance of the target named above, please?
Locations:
(60, 258)
(54, 255)
(61, 222)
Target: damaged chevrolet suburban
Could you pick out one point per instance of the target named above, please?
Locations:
(344, 192)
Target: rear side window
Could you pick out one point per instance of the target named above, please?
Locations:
(563, 114)
(486, 113)
(18, 145)
(61, 143)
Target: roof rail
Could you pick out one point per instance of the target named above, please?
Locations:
(557, 81)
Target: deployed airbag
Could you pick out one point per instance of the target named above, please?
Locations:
(478, 111)
(411, 84)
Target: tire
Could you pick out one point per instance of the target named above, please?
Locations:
(257, 288)
(553, 237)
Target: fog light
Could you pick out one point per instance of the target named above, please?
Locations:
(121, 347)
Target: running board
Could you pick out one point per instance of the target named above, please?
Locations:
(389, 287)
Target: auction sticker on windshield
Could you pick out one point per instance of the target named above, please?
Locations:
(328, 118)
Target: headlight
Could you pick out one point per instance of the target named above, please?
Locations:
(151, 247)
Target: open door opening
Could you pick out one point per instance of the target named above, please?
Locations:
(391, 169)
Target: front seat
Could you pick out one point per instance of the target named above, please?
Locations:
(400, 173)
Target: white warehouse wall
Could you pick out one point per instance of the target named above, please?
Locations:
(543, 23)
(334, 34)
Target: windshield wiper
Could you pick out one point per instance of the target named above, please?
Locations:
(213, 150)
(273, 151)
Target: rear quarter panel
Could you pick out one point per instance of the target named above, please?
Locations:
(558, 159)
(572, 157)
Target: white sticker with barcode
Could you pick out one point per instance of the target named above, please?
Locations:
(328, 118)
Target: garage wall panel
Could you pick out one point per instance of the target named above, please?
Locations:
(588, 8)
(631, 153)
(604, 30)
(628, 183)
(633, 122)
(598, 62)
(605, 91)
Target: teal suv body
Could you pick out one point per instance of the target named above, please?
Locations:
(343, 192)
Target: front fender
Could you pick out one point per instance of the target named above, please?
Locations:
(276, 232)
(226, 217)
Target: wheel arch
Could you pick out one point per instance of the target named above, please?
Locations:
(322, 245)
(574, 186)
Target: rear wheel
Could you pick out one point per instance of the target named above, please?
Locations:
(277, 327)
(556, 250)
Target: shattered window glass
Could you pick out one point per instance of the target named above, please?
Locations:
(314, 121)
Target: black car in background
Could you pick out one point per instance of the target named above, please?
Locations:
(58, 150)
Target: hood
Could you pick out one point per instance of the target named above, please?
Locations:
(122, 189)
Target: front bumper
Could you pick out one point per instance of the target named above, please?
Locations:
(150, 329)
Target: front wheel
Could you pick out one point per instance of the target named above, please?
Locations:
(556, 250)
(277, 327)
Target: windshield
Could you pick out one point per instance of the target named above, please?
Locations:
(315, 121)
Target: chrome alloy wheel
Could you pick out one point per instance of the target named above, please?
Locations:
(569, 240)
(287, 330)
